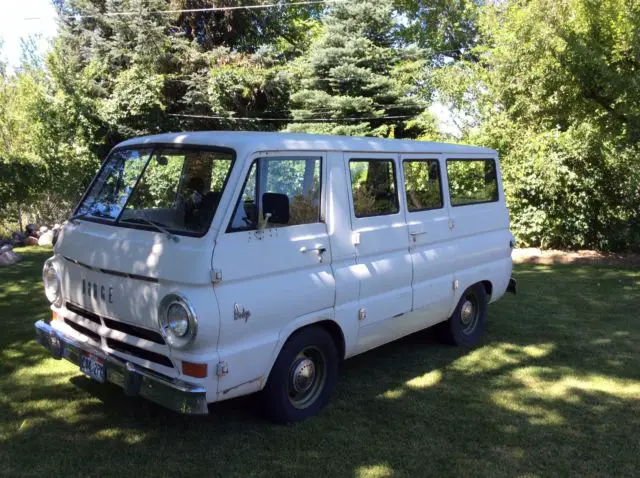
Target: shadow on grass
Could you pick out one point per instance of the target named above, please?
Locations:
(553, 390)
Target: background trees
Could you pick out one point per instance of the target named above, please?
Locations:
(359, 74)
(553, 85)
(556, 89)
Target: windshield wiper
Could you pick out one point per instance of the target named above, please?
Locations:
(159, 227)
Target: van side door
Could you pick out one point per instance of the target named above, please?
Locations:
(274, 260)
(429, 236)
(383, 262)
(479, 220)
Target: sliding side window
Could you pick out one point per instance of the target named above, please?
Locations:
(373, 186)
(422, 184)
(472, 181)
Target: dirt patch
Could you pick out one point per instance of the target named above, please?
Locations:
(532, 255)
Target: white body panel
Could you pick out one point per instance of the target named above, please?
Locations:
(432, 254)
(398, 269)
(383, 268)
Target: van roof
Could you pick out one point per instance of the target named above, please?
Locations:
(274, 141)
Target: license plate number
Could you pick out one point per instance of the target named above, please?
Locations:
(93, 367)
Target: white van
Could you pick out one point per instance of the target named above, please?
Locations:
(203, 266)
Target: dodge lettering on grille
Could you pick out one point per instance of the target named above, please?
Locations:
(97, 291)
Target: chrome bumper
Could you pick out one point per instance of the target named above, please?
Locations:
(176, 395)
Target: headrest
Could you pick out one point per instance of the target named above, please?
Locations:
(278, 205)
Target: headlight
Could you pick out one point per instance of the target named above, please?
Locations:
(177, 321)
(52, 283)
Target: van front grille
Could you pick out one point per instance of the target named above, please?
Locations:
(138, 352)
(83, 330)
(135, 331)
(128, 329)
(83, 313)
(106, 324)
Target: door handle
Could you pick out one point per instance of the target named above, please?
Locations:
(317, 249)
(414, 235)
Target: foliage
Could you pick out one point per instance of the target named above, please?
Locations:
(45, 155)
(355, 69)
(557, 92)
(552, 85)
(445, 26)
(248, 86)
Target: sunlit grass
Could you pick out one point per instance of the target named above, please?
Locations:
(497, 356)
(552, 390)
(375, 471)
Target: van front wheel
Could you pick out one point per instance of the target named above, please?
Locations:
(303, 376)
(466, 324)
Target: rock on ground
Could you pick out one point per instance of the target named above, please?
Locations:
(9, 257)
(46, 239)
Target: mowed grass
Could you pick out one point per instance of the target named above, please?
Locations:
(552, 390)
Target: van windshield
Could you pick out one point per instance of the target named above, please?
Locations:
(176, 189)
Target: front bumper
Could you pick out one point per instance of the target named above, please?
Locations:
(174, 394)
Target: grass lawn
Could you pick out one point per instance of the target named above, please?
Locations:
(553, 390)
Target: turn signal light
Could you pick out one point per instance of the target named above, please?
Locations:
(196, 370)
(54, 316)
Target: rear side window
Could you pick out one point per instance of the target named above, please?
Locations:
(422, 184)
(373, 186)
(472, 181)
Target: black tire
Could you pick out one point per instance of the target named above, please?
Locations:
(285, 396)
(467, 323)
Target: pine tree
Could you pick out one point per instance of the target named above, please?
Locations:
(154, 72)
(358, 68)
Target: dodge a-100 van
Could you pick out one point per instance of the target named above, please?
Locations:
(204, 266)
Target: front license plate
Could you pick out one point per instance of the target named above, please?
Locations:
(93, 367)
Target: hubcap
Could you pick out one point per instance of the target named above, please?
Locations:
(303, 375)
(469, 313)
(466, 313)
(307, 377)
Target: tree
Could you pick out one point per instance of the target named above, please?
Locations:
(162, 70)
(557, 92)
(112, 76)
(356, 68)
(446, 26)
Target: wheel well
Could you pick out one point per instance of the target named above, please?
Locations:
(487, 286)
(334, 330)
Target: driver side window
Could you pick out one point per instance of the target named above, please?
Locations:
(279, 192)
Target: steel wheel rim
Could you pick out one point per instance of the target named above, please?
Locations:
(307, 376)
(469, 314)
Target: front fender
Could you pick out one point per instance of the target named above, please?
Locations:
(295, 325)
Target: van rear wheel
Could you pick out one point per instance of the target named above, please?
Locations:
(302, 377)
(467, 323)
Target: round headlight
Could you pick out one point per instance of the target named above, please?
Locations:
(52, 283)
(177, 321)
